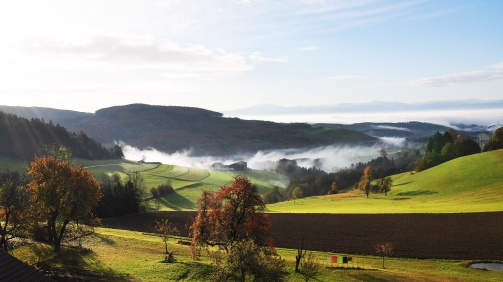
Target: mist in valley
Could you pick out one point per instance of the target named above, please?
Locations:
(328, 158)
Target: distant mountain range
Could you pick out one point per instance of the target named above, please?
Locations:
(376, 106)
(205, 132)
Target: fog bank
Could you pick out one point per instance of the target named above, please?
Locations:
(327, 158)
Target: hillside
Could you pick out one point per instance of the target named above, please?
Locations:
(469, 184)
(22, 138)
(171, 129)
(188, 183)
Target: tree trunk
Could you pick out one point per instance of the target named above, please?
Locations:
(299, 255)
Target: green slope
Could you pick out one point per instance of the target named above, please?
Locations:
(469, 184)
(188, 183)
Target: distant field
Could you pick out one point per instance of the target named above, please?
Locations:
(469, 184)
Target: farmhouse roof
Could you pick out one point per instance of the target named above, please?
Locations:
(12, 269)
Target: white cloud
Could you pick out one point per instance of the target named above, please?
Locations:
(396, 141)
(497, 66)
(460, 78)
(140, 52)
(258, 57)
(392, 127)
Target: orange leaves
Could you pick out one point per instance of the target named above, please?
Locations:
(231, 214)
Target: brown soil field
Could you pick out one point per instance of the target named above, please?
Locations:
(473, 236)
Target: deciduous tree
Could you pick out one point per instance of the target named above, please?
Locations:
(13, 203)
(234, 213)
(166, 231)
(60, 194)
(365, 180)
(384, 250)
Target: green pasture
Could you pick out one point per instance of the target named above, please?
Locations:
(469, 184)
(196, 180)
(121, 255)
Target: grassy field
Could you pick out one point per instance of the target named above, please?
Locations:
(469, 184)
(187, 182)
(119, 255)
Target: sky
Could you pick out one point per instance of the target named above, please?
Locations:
(224, 55)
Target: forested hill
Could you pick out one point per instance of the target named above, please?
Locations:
(22, 138)
(170, 128)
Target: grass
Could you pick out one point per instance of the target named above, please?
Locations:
(135, 256)
(469, 184)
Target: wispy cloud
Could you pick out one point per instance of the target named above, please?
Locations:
(140, 52)
(497, 66)
(460, 78)
(258, 57)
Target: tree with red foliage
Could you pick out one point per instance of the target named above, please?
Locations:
(60, 194)
(232, 214)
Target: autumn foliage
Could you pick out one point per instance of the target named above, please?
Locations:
(60, 194)
(232, 214)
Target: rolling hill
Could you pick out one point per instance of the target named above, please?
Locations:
(469, 184)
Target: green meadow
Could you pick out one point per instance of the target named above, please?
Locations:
(469, 184)
(121, 255)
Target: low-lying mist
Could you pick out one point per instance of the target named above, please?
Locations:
(327, 158)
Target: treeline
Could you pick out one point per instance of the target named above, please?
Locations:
(22, 139)
(445, 147)
(121, 197)
(314, 182)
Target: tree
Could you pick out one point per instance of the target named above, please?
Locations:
(300, 255)
(166, 230)
(310, 268)
(384, 249)
(496, 141)
(232, 214)
(246, 259)
(61, 194)
(137, 180)
(273, 196)
(333, 189)
(385, 185)
(365, 180)
(297, 193)
(13, 202)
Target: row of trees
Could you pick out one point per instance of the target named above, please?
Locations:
(305, 182)
(23, 139)
(445, 147)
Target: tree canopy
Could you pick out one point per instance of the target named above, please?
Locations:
(61, 193)
(234, 213)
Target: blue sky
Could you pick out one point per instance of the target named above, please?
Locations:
(225, 55)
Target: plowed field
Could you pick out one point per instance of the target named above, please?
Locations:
(476, 236)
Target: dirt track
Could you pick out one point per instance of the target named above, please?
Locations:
(476, 236)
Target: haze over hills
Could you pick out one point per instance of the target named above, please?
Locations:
(170, 129)
(205, 132)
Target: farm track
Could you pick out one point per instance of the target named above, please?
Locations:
(474, 236)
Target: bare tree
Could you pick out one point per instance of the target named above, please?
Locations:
(384, 250)
(166, 230)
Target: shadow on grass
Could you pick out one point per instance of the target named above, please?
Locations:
(104, 239)
(78, 265)
(417, 193)
(176, 202)
(401, 184)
